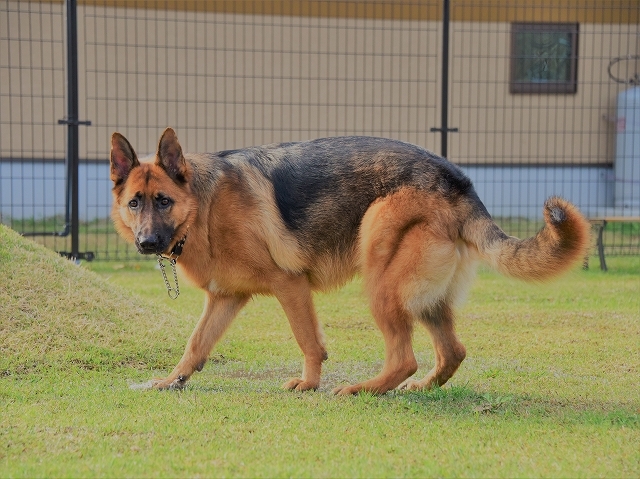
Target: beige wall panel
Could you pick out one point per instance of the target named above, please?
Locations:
(32, 81)
(608, 11)
(226, 80)
(499, 127)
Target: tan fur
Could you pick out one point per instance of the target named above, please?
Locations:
(417, 252)
(552, 251)
(124, 221)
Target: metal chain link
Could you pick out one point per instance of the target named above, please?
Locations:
(172, 292)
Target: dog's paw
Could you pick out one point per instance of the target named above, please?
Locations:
(346, 390)
(408, 385)
(167, 384)
(413, 385)
(297, 384)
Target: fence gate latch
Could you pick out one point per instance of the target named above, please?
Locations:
(73, 121)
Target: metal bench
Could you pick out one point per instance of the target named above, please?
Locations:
(601, 223)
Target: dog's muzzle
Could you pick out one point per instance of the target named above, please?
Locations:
(152, 244)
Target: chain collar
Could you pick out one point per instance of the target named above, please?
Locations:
(176, 251)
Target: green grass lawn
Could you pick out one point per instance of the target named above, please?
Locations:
(549, 387)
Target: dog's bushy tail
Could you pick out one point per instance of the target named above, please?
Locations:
(561, 242)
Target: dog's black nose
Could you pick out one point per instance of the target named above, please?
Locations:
(148, 244)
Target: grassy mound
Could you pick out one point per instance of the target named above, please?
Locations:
(57, 314)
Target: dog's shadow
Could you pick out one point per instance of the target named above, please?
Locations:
(451, 400)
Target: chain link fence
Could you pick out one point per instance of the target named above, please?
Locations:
(521, 95)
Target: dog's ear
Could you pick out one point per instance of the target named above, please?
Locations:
(123, 158)
(170, 156)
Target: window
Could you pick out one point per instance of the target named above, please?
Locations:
(544, 58)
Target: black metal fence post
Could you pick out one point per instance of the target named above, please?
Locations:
(444, 114)
(72, 159)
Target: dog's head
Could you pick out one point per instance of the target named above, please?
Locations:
(153, 205)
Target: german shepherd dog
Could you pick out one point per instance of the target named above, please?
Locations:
(292, 218)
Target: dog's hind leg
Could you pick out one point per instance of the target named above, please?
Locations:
(438, 317)
(391, 240)
(409, 263)
(449, 351)
(219, 311)
(294, 294)
(400, 362)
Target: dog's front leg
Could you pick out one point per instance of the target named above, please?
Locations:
(294, 294)
(219, 311)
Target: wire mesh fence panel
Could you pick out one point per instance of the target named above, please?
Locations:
(536, 108)
(32, 86)
(621, 238)
(226, 75)
(529, 92)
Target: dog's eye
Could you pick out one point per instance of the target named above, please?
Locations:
(133, 203)
(164, 202)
